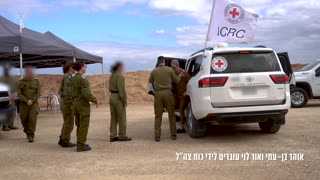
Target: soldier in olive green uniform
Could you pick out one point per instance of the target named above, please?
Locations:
(66, 106)
(29, 92)
(82, 96)
(118, 104)
(162, 78)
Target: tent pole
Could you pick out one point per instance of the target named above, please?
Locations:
(21, 66)
(104, 84)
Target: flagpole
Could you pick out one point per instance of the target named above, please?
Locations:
(209, 27)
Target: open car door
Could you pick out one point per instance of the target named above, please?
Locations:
(286, 66)
(182, 63)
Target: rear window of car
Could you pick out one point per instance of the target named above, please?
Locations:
(244, 62)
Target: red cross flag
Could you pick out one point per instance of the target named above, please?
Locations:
(230, 23)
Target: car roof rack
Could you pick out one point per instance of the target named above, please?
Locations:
(202, 50)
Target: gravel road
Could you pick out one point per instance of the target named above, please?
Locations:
(226, 152)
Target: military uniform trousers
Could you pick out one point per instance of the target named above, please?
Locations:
(82, 120)
(67, 111)
(118, 116)
(164, 99)
(28, 116)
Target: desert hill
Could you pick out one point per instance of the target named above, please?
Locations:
(136, 84)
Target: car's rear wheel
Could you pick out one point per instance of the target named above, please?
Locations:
(299, 97)
(195, 128)
(270, 127)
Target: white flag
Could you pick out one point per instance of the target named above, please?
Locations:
(230, 23)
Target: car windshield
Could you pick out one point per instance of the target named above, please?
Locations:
(309, 66)
(244, 62)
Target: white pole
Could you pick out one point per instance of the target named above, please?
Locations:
(21, 66)
(74, 59)
(209, 27)
(104, 84)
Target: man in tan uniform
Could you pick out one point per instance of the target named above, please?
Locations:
(29, 92)
(180, 90)
(162, 78)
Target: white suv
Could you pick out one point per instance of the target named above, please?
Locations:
(236, 85)
(308, 81)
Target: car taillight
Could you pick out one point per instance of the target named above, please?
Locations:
(213, 82)
(280, 79)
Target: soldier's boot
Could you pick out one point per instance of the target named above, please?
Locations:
(30, 139)
(66, 144)
(125, 139)
(84, 148)
(12, 127)
(114, 139)
(5, 128)
(157, 139)
(181, 131)
(174, 137)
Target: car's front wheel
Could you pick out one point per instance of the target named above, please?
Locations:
(195, 128)
(270, 127)
(299, 98)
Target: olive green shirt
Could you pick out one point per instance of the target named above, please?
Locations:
(162, 78)
(65, 89)
(81, 89)
(117, 84)
(29, 89)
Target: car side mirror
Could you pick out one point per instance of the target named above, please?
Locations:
(317, 74)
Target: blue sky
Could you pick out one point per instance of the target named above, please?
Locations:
(137, 31)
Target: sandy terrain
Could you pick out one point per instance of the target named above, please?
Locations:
(145, 159)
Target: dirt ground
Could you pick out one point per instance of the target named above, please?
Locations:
(145, 159)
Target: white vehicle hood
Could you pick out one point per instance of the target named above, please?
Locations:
(3, 87)
(300, 73)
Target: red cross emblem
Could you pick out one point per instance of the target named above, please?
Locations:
(219, 63)
(234, 13)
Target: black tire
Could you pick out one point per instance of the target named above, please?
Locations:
(299, 97)
(195, 128)
(269, 127)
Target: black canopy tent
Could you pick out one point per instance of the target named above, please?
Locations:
(39, 50)
(28, 47)
(78, 53)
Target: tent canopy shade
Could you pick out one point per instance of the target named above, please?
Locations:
(78, 53)
(38, 50)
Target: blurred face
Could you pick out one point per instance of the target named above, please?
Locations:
(120, 69)
(84, 69)
(71, 70)
(29, 73)
(174, 65)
